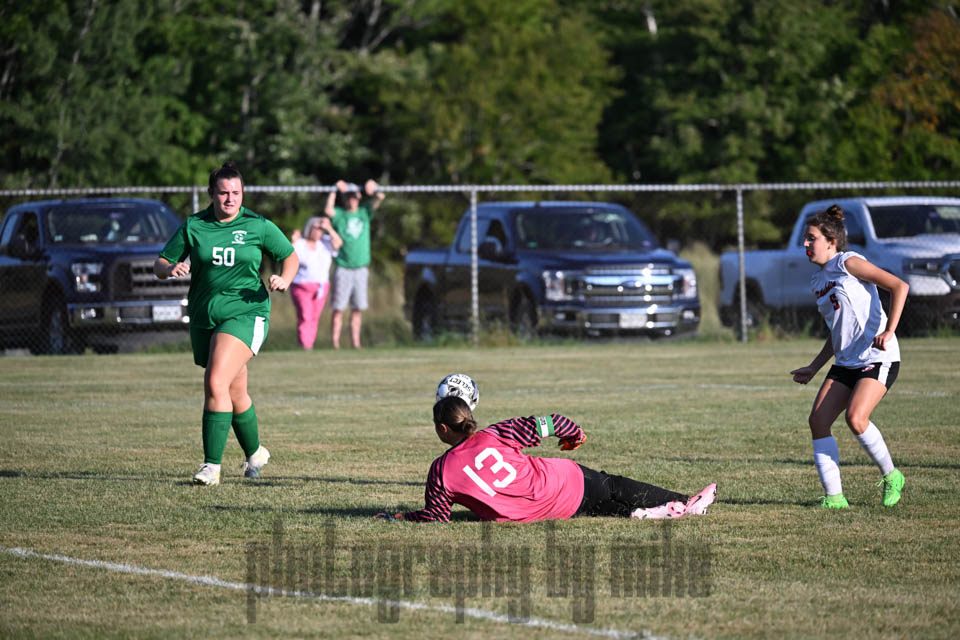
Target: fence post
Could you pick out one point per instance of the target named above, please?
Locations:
(474, 292)
(743, 277)
(196, 198)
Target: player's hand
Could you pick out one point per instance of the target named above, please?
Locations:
(383, 515)
(803, 375)
(572, 442)
(179, 270)
(881, 340)
(277, 283)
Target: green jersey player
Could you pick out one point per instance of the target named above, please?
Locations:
(222, 248)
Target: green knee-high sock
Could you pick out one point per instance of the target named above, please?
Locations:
(216, 428)
(245, 426)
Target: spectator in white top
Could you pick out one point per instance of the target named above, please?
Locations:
(316, 249)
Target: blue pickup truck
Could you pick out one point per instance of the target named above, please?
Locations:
(587, 268)
(79, 272)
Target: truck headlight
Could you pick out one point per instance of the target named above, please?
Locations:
(86, 276)
(555, 286)
(688, 284)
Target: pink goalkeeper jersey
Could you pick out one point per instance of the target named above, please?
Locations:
(489, 474)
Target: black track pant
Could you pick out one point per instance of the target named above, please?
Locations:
(608, 495)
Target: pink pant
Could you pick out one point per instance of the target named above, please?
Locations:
(308, 298)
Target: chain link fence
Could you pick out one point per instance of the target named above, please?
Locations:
(76, 264)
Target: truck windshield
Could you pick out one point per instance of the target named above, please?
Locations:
(582, 230)
(906, 221)
(111, 224)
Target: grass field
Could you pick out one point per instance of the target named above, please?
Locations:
(103, 535)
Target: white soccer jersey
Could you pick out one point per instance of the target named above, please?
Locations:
(853, 313)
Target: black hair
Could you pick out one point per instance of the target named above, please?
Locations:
(226, 172)
(455, 413)
(830, 223)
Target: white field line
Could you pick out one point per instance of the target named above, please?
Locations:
(211, 581)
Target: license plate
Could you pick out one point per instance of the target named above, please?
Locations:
(633, 320)
(167, 313)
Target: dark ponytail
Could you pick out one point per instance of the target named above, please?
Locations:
(455, 413)
(226, 172)
(830, 223)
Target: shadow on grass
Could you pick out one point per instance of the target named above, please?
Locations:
(278, 481)
(804, 462)
(342, 512)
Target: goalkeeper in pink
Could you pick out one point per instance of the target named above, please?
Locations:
(487, 472)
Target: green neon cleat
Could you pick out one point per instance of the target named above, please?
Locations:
(892, 486)
(834, 502)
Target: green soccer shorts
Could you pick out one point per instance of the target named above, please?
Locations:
(252, 330)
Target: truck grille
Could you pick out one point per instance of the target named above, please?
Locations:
(628, 270)
(133, 279)
(627, 285)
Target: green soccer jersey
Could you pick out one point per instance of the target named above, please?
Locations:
(225, 264)
(354, 228)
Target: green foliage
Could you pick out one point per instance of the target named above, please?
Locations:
(159, 92)
(908, 122)
(508, 93)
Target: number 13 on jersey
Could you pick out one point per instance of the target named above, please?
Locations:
(496, 467)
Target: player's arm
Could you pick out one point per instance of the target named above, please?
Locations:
(173, 265)
(438, 501)
(867, 272)
(530, 431)
(164, 269)
(289, 270)
(803, 375)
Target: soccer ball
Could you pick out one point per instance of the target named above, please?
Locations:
(460, 385)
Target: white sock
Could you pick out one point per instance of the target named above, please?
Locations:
(826, 456)
(872, 442)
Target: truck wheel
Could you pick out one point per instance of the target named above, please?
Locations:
(55, 337)
(757, 314)
(523, 318)
(424, 319)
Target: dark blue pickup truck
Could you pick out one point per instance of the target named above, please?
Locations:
(79, 272)
(570, 267)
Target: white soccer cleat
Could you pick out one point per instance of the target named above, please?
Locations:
(208, 475)
(697, 505)
(253, 464)
(673, 509)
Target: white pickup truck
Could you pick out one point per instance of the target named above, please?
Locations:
(917, 238)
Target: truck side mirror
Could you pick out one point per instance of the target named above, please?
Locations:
(490, 249)
(21, 248)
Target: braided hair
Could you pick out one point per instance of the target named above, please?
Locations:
(830, 223)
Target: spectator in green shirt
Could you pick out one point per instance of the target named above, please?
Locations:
(351, 220)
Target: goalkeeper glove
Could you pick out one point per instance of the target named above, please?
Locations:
(572, 442)
(383, 515)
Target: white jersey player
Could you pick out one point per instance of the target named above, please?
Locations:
(867, 353)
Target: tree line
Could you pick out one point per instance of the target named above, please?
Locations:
(527, 92)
